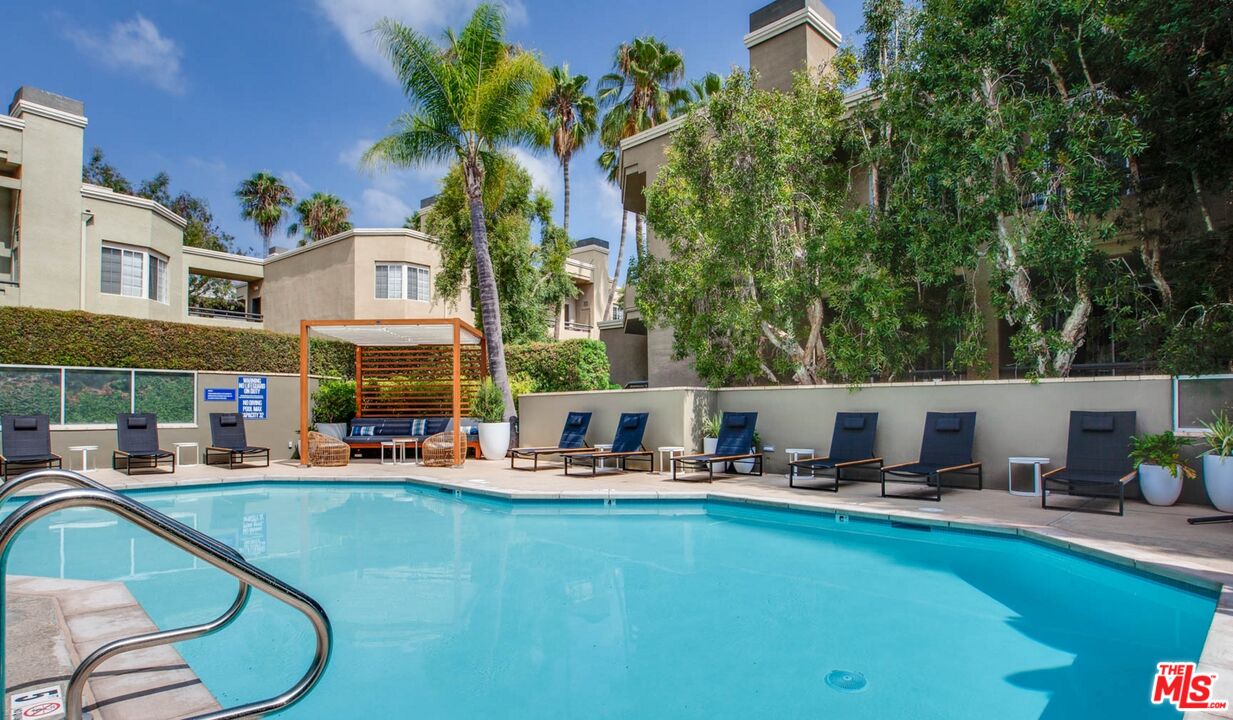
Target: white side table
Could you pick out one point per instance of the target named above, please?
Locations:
(602, 464)
(1036, 463)
(85, 456)
(196, 449)
(669, 451)
(402, 443)
(393, 446)
(796, 453)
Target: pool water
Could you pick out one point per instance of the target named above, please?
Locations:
(450, 607)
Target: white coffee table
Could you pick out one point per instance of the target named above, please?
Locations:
(393, 446)
(796, 453)
(671, 451)
(601, 463)
(85, 456)
(196, 449)
(1036, 463)
(401, 444)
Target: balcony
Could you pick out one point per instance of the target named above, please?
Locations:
(224, 314)
(576, 327)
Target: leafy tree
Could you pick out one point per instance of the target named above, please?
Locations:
(471, 97)
(320, 215)
(570, 114)
(265, 200)
(97, 171)
(531, 278)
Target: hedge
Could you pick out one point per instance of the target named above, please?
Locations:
(560, 366)
(30, 336)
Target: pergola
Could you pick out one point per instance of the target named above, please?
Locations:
(404, 367)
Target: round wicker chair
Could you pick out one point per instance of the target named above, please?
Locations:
(326, 451)
(438, 450)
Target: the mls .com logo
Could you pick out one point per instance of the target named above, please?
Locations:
(1178, 683)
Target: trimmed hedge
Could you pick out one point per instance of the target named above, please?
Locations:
(560, 366)
(30, 336)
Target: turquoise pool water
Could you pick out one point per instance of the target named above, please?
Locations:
(450, 608)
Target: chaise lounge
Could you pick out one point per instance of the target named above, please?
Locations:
(229, 441)
(27, 444)
(137, 440)
(851, 446)
(1097, 458)
(626, 446)
(734, 443)
(573, 439)
(946, 449)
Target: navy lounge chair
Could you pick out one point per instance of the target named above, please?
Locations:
(1097, 458)
(137, 442)
(626, 446)
(851, 446)
(573, 439)
(734, 443)
(229, 441)
(946, 449)
(27, 443)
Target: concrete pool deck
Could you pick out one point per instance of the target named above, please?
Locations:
(1153, 539)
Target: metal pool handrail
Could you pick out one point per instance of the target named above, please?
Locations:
(194, 542)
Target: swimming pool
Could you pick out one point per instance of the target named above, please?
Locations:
(463, 607)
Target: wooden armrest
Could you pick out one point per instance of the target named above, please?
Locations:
(725, 458)
(958, 467)
(688, 457)
(120, 452)
(853, 463)
(896, 467)
(1052, 472)
(1128, 477)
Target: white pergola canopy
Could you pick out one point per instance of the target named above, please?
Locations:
(391, 335)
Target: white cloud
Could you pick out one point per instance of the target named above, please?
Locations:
(545, 171)
(608, 203)
(383, 209)
(138, 47)
(350, 155)
(354, 20)
(296, 182)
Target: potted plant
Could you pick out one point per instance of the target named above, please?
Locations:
(710, 436)
(746, 466)
(1161, 468)
(1218, 461)
(333, 406)
(488, 408)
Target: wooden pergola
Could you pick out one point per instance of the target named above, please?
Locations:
(404, 367)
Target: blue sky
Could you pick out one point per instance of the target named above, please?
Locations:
(213, 91)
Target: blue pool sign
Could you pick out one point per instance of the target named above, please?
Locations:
(220, 394)
(252, 397)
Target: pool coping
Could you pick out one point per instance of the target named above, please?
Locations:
(1216, 657)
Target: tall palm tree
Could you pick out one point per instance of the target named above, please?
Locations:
(609, 162)
(320, 216)
(640, 93)
(264, 199)
(471, 97)
(700, 91)
(570, 113)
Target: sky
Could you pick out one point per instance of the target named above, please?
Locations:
(211, 92)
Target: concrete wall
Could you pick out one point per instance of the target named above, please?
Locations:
(279, 427)
(1013, 417)
(626, 354)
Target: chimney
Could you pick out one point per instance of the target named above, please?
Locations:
(788, 36)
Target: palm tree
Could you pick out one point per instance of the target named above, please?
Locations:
(609, 162)
(471, 97)
(264, 199)
(640, 92)
(700, 91)
(320, 216)
(570, 113)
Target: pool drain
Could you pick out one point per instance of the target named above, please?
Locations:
(846, 681)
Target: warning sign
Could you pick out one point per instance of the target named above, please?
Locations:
(44, 703)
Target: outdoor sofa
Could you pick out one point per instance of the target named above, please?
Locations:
(573, 439)
(626, 446)
(229, 442)
(735, 443)
(945, 449)
(137, 443)
(851, 446)
(369, 432)
(26, 444)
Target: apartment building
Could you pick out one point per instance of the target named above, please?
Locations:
(69, 245)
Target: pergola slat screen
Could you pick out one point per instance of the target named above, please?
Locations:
(415, 381)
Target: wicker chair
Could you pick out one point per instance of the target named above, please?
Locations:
(325, 451)
(438, 450)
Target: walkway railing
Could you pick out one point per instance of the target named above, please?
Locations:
(224, 314)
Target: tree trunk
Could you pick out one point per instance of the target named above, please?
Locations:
(565, 214)
(616, 272)
(490, 307)
(638, 240)
(1072, 334)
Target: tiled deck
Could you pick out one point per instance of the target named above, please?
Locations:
(1152, 538)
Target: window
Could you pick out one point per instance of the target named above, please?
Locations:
(402, 281)
(86, 397)
(133, 273)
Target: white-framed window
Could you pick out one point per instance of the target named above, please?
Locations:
(402, 281)
(133, 273)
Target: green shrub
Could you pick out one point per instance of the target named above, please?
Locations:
(334, 401)
(521, 385)
(561, 366)
(30, 336)
(488, 405)
(1163, 449)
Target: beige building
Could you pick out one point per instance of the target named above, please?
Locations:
(68, 245)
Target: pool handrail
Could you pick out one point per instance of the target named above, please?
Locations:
(91, 494)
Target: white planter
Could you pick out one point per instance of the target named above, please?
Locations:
(1158, 486)
(744, 466)
(334, 430)
(1218, 479)
(708, 446)
(494, 440)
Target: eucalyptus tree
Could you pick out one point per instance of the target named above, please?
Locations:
(471, 96)
(265, 200)
(571, 116)
(320, 215)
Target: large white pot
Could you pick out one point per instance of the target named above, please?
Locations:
(1218, 478)
(494, 440)
(1158, 486)
(708, 446)
(744, 466)
(334, 430)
